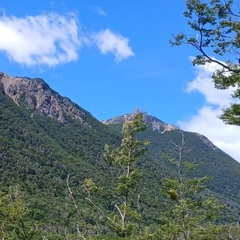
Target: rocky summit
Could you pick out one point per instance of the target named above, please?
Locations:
(153, 122)
(40, 98)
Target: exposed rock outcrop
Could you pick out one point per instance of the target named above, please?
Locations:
(153, 122)
(40, 98)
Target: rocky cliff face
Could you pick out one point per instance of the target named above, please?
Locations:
(36, 95)
(160, 126)
(153, 122)
(40, 98)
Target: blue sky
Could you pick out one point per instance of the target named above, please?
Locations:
(111, 57)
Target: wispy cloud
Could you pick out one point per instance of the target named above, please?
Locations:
(99, 11)
(109, 42)
(48, 39)
(206, 121)
(51, 39)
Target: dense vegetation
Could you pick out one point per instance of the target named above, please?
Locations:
(124, 181)
(56, 184)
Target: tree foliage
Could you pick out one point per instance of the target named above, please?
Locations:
(41, 154)
(193, 212)
(125, 158)
(121, 214)
(13, 221)
(216, 36)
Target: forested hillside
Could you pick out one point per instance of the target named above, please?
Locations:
(212, 162)
(51, 163)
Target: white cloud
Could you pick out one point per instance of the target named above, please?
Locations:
(52, 39)
(47, 39)
(109, 42)
(203, 83)
(206, 121)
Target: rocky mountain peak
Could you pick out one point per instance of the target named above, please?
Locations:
(40, 98)
(153, 122)
(158, 125)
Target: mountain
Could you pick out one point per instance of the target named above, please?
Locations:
(37, 96)
(153, 122)
(213, 162)
(157, 125)
(39, 150)
(49, 143)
